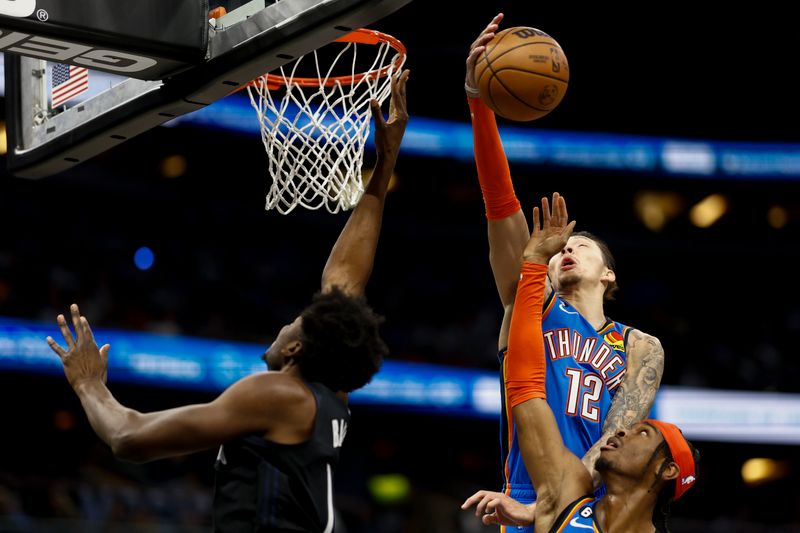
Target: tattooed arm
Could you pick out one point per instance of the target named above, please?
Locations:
(635, 396)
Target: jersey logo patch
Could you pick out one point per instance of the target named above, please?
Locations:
(615, 340)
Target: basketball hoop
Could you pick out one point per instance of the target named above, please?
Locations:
(314, 128)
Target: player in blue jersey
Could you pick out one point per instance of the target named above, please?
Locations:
(644, 467)
(601, 375)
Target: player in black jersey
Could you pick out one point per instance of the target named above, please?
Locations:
(279, 432)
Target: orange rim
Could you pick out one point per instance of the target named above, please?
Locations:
(360, 36)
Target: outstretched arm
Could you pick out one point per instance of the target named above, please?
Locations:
(350, 263)
(636, 394)
(557, 475)
(141, 437)
(507, 228)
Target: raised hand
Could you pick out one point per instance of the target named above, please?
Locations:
(477, 48)
(389, 134)
(83, 360)
(552, 236)
(498, 508)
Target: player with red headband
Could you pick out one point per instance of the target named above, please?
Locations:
(644, 467)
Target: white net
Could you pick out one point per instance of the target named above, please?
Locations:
(315, 136)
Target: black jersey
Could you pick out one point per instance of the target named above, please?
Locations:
(264, 486)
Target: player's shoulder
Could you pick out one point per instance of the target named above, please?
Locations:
(640, 343)
(275, 387)
(639, 336)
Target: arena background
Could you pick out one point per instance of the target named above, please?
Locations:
(723, 299)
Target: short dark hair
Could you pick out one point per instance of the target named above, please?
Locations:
(662, 508)
(608, 259)
(342, 348)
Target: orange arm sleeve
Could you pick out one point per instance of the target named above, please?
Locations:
(525, 359)
(493, 172)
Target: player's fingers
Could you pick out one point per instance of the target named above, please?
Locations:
(487, 37)
(535, 221)
(490, 28)
(562, 209)
(495, 23)
(481, 507)
(469, 502)
(56, 348)
(76, 321)
(545, 213)
(568, 230)
(65, 332)
(104, 355)
(87, 331)
(490, 519)
(472, 58)
(377, 114)
(399, 95)
(555, 213)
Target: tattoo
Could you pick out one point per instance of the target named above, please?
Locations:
(636, 393)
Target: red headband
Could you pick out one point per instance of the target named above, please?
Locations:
(681, 454)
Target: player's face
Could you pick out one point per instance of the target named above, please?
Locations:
(276, 354)
(581, 260)
(630, 451)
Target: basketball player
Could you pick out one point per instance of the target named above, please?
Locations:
(279, 432)
(643, 467)
(602, 375)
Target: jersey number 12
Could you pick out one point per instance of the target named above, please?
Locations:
(585, 391)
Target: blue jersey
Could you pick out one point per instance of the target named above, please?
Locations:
(578, 517)
(585, 367)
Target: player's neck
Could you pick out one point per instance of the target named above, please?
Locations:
(588, 301)
(291, 369)
(626, 509)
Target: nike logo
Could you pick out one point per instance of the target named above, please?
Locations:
(561, 305)
(574, 523)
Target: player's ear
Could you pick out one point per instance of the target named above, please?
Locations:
(292, 349)
(609, 276)
(672, 471)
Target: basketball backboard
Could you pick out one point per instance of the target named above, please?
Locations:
(157, 64)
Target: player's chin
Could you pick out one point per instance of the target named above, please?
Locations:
(602, 464)
(568, 277)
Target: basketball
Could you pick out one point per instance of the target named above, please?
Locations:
(523, 74)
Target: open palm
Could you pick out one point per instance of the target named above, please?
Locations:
(552, 235)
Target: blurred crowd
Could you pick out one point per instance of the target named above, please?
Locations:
(724, 306)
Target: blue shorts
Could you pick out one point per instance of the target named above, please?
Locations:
(525, 496)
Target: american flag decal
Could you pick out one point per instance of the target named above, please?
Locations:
(68, 82)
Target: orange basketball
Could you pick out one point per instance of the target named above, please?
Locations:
(523, 74)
